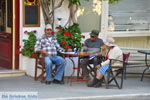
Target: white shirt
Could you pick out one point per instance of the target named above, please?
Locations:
(114, 53)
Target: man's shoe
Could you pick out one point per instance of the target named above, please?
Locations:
(91, 84)
(99, 84)
(57, 81)
(47, 82)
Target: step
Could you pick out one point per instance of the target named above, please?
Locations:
(11, 73)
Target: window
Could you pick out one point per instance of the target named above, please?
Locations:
(129, 15)
(89, 15)
(31, 13)
(5, 15)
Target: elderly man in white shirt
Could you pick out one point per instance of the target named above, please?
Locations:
(114, 52)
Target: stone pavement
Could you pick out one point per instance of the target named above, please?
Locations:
(133, 89)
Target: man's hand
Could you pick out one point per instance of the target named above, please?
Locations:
(44, 52)
(98, 66)
(98, 54)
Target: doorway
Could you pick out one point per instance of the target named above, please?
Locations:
(6, 34)
(9, 34)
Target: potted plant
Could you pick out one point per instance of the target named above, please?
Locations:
(70, 37)
(28, 63)
(28, 48)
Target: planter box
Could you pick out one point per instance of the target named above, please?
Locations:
(28, 65)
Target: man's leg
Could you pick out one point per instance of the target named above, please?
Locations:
(95, 62)
(97, 82)
(60, 64)
(48, 68)
(85, 70)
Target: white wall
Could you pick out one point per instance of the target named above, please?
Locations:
(28, 64)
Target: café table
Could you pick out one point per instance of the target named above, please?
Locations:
(79, 77)
(146, 53)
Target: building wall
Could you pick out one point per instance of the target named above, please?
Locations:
(25, 63)
(28, 64)
(63, 12)
(134, 42)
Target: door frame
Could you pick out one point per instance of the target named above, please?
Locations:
(15, 34)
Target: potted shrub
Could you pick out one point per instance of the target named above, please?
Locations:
(28, 63)
(70, 37)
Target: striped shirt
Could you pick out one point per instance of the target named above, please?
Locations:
(49, 44)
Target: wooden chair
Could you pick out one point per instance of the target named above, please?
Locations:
(40, 66)
(116, 73)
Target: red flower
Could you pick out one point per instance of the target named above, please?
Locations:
(83, 36)
(52, 32)
(32, 48)
(75, 38)
(31, 0)
(67, 33)
(18, 52)
(67, 46)
(82, 45)
(25, 32)
(63, 42)
(34, 55)
(19, 46)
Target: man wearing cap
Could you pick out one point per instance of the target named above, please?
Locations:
(114, 52)
(49, 46)
(92, 46)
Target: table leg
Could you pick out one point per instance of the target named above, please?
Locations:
(146, 62)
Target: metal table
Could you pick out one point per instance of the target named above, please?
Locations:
(70, 55)
(146, 52)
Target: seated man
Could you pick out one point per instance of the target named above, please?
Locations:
(92, 46)
(49, 46)
(114, 52)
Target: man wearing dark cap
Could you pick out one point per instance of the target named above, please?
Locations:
(92, 46)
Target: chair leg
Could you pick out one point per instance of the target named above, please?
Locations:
(35, 75)
(122, 80)
(107, 80)
(124, 72)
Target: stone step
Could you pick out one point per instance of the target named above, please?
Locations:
(11, 73)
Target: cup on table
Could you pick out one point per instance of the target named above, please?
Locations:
(81, 53)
